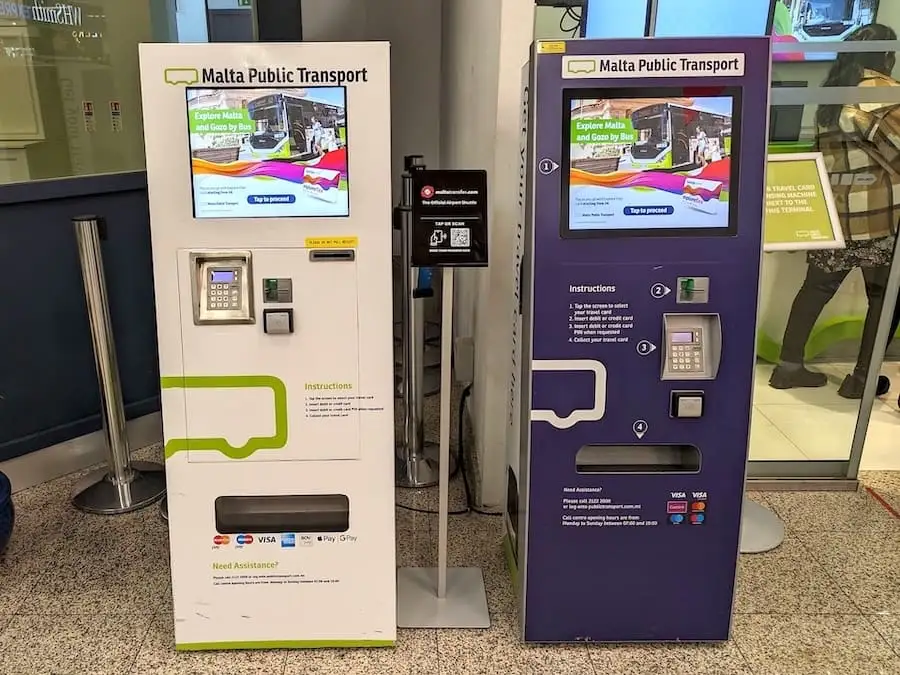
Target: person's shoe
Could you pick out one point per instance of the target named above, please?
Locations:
(791, 378)
(853, 385)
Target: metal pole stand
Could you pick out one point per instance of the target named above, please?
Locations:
(442, 597)
(417, 462)
(761, 529)
(122, 486)
(431, 379)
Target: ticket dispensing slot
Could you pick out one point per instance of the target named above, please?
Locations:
(332, 255)
(222, 288)
(611, 459)
(274, 514)
(693, 346)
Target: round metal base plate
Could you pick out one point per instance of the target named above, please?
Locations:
(761, 529)
(421, 471)
(96, 493)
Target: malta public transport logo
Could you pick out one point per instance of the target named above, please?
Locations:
(178, 76)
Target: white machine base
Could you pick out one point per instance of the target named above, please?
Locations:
(465, 605)
(761, 529)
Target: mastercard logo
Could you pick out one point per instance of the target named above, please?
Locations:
(221, 540)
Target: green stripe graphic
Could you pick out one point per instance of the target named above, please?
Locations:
(254, 444)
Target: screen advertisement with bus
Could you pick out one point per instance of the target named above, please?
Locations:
(659, 164)
(269, 153)
(806, 21)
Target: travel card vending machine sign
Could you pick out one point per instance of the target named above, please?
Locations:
(269, 212)
(637, 272)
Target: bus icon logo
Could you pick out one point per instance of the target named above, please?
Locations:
(581, 66)
(177, 76)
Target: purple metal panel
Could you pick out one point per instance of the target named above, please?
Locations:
(640, 582)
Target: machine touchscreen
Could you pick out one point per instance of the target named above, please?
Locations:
(642, 161)
(268, 153)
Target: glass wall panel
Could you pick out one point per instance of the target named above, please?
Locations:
(69, 75)
(820, 310)
(71, 102)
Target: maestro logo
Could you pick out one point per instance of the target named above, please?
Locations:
(427, 192)
(221, 540)
(243, 539)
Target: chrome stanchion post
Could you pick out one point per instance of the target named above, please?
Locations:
(417, 459)
(123, 485)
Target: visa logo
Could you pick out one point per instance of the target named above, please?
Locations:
(244, 539)
(288, 540)
(221, 540)
(266, 539)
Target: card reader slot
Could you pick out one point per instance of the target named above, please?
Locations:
(274, 514)
(612, 459)
(332, 255)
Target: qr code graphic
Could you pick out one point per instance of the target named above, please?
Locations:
(460, 237)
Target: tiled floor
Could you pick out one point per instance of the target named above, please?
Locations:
(817, 424)
(84, 594)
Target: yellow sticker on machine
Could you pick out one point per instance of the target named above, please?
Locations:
(332, 242)
(551, 47)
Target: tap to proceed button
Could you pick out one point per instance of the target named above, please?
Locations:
(271, 199)
(649, 210)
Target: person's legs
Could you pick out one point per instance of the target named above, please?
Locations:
(895, 321)
(853, 384)
(817, 289)
(895, 324)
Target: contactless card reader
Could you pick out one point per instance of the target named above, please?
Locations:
(222, 288)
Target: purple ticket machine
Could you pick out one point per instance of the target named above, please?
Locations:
(643, 179)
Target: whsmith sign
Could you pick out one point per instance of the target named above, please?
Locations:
(59, 13)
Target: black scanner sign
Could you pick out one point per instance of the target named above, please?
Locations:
(449, 218)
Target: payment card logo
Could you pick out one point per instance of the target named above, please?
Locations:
(177, 76)
(221, 540)
(244, 539)
(288, 540)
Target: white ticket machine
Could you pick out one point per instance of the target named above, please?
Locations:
(268, 167)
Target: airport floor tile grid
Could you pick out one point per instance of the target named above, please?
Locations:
(90, 595)
(817, 424)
